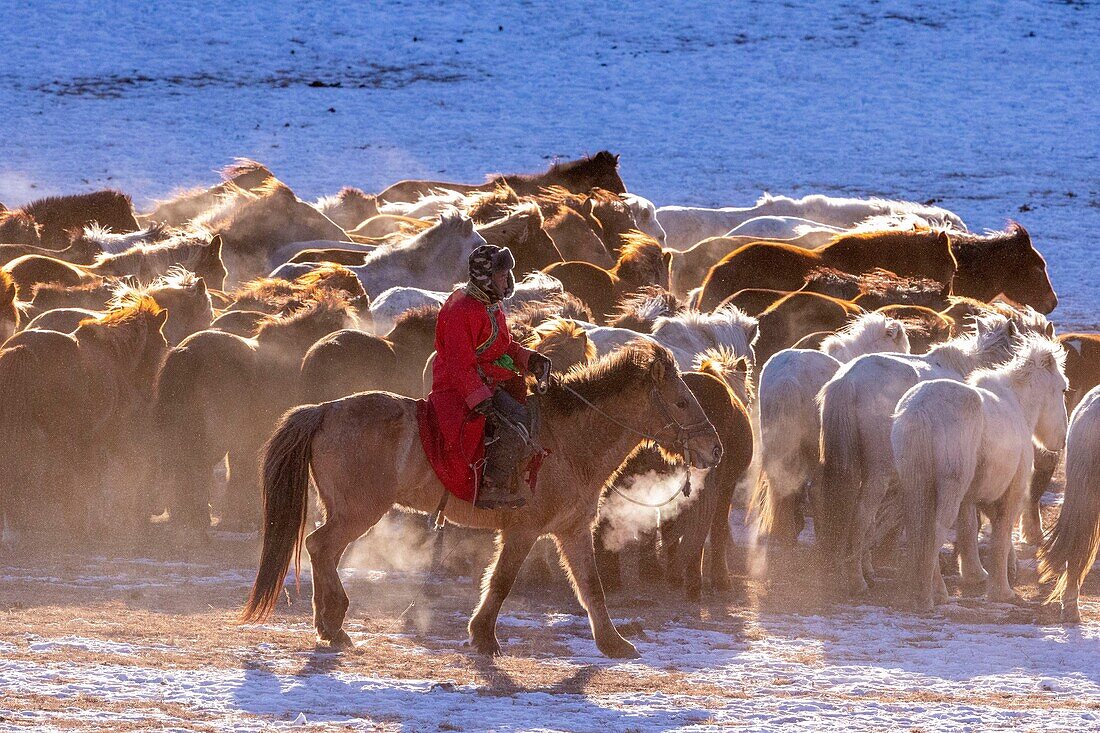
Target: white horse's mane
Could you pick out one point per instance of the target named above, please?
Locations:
(863, 335)
(114, 243)
(729, 326)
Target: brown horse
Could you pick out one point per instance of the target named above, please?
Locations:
(606, 212)
(146, 262)
(786, 267)
(877, 288)
(413, 339)
(349, 208)
(49, 296)
(81, 251)
(20, 228)
(60, 216)
(10, 315)
(255, 223)
(179, 210)
(642, 263)
(218, 394)
(72, 404)
(1002, 263)
(375, 435)
(799, 314)
(180, 293)
(598, 171)
(346, 362)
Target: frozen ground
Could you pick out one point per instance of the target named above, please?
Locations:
(988, 106)
(150, 644)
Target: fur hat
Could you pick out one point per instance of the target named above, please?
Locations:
(486, 260)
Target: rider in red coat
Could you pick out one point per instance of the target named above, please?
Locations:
(477, 384)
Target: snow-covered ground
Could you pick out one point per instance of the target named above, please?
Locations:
(988, 106)
(94, 662)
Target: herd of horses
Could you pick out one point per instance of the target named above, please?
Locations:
(867, 363)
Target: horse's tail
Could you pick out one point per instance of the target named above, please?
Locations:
(286, 461)
(1070, 546)
(916, 460)
(841, 455)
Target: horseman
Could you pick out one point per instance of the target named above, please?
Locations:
(477, 379)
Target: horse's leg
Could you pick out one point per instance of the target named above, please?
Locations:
(326, 546)
(1075, 571)
(607, 560)
(966, 543)
(513, 544)
(874, 490)
(720, 540)
(243, 504)
(1005, 511)
(1045, 464)
(576, 547)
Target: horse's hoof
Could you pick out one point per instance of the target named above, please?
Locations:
(1004, 596)
(340, 641)
(618, 648)
(487, 647)
(1071, 615)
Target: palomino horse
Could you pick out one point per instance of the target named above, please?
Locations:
(598, 171)
(641, 263)
(957, 446)
(786, 267)
(1069, 549)
(375, 435)
(687, 225)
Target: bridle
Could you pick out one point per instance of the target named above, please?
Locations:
(683, 433)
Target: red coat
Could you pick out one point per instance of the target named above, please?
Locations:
(452, 434)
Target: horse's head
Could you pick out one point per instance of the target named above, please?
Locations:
(645, 216)
(209, 265)
(599, 171)
(181, 293)
(686, 430)
(1026, 280)
(1042, 376)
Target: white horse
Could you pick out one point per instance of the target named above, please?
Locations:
(391, 303)
(686, 335)
(434, 259)
(857, 462)
(645, 216)
(686, 225)
(957, 446)
(426, 207)
(787, 425)
(811, 234)
(1069, 548)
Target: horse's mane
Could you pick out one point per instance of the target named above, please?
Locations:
(864, 327)
(244, 166)
(163, 253)
(1032, 354)
(263, 289)
(899, 238)
(559, 330)
(325, 306)
(334, 277)
(527, 316)
(639, 310)
(7, 287)
(234, 202)
(419, 319)
(969, 247)
(485, 205)
(448, 221)
(878, 282)
(603, 158)
(728, 367)
(640, 258)
(991, 334)
(610, 376)
(112, 243)
(728, 325)
(127, 292)
(123, 316)
(920, 320)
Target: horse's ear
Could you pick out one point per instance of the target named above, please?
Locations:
(753, 332)
(588, 208)
(468, 227)
(666, 256)
(214, 249)
(1049, 330)
(892, 329)
(199, 286)
(657, 369)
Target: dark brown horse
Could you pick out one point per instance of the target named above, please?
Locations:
(72, 405)
(776, 266)
(19, 228)
(61, 216)
(218, 394)
(598, 171)
(375, 435)
(1002, 263)
(10, 316)
(642, 263)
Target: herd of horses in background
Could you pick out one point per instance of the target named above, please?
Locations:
(871, 364)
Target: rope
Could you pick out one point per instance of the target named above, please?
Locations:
(685, 490)
(618, 422)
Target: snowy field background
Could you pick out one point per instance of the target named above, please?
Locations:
(991, 107)
(988, 107)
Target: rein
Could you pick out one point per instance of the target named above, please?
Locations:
(684, 433)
